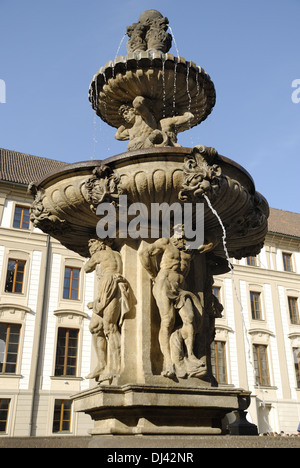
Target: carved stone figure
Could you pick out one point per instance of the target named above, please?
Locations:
(150, 32)
(172, 298)
(102, 187)
(109, 309)
(202, 175)
(41, 217)
(142, 128)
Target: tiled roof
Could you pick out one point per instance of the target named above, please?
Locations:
(24, 168)
(284, 222)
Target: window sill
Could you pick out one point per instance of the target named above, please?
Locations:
(11, 376)
(66, 377)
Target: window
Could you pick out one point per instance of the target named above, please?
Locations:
(218, 361)
(251, 261)
(216, 290)
(71, 283)
(66, 352)
(296, 352)
(21, 217)
(261, 365)
(294, 311)
(15, 276)
(62, 416)
(256, 312)
(287, 261)
(4, 409)
(9, 347)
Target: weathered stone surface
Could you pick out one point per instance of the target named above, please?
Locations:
(154, 311)
(150, 442)
(159, 409)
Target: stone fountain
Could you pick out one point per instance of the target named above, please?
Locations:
(153, 314)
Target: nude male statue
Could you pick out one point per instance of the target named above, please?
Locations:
(171, 296)
(144, 131)
(109, 308)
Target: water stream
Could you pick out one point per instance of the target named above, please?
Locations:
(246, 334)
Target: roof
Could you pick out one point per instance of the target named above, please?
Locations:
(23, 168)
(284, 222)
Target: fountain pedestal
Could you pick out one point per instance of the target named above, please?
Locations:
(133, 409)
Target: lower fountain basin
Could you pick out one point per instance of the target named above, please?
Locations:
(66, 201)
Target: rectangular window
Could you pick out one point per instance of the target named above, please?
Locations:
(256, 312)
(62, 416)
(21, 217)
(216, 290)
(294, 311)
(71, 283)
(15, 276)
(296, 352)
(287, 261)
(218, 361)
(9, 347)
(251, 261)
(66, 352)
(261, 365)
(4, 409)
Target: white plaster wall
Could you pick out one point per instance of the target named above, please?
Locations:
(87, 337)
(287, 342)
(51, 322)
(233, 355)
(34, 280)
(273, 342)
(2, 249)
(246, 326)
(7, 214)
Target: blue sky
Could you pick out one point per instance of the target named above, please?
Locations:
(50, 50)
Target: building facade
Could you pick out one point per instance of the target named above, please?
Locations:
(46, 348)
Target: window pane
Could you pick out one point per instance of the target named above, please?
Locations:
(21, 218)
(9, 346)
(261, 365)
(62, 416)
(15, 276)
(218, 361)
(4, 409)
(66, 352)
(255, 306)
(294, 311)
(71, 283)
(296, 352)
(287, 261)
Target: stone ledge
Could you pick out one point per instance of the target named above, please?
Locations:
(146, 442)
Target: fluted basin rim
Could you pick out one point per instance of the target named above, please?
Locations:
(135, 155)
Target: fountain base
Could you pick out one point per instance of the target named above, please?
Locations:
(149, 409)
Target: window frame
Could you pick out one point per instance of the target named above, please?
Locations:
(260, 378)
(215, 344)
(296, 349)
(253, 306)
(291, 312)
(251, 260)
(7, 414)
(15, 273)
(23, 207)
(66, 355)
(6, 349)
(61, 419)
(70, 288)
(287, 267)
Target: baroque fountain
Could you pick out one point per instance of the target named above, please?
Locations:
(153, 314)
